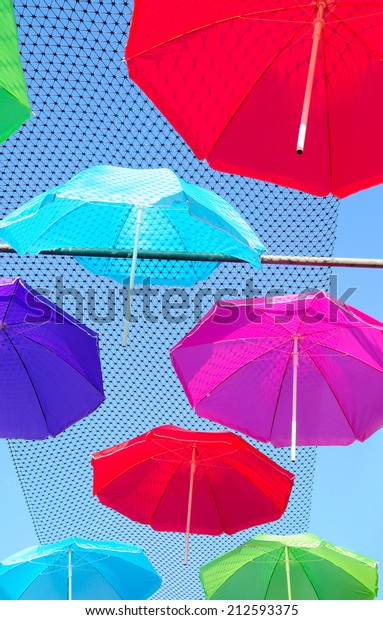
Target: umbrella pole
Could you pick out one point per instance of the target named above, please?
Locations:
(288, 580)
(132, 275)
(188, 520)
(318, 25)
(70, 575)
(295, 392)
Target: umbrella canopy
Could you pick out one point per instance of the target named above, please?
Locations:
(114, 208)
(300, 567)
(298, 368)
(50, 371)
(190, 481)
(240, 79)
(78, 569)
(100, 206)
(14, 106)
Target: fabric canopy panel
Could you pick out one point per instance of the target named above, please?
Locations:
(249, 360)
(300, 567)
(108, 207)
(14, 105)
(179, 480)
(231, 78)
(50, 373)
(78, 569)
(100, 117)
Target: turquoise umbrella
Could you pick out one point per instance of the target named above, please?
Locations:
(120, 208)
(78, 569)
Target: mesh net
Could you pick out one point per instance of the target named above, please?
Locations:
(87, 112)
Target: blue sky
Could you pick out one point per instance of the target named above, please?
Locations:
(347, 504)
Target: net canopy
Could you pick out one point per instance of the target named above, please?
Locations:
(86, 113)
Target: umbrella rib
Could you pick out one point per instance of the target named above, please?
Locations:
(31, 582)
(336, 566)
(30, 379)
(239, 370)
(103, 576)
(117, 237)
(306, 311)
(235, 552)
(280, 392)
(178, 233)
(303, 568)
(10, 301)
(356, 35)
(324, 46)
(304, 7)
(177, 451)
(264, 313)
(164, 491)
(268, 66)
(272, 574)
(372, 2)
(357, 359)
(213, 494)
(131, 466)
(333, 393)
(236, 340)
(54, 223)
(80, 372)
(245, 244)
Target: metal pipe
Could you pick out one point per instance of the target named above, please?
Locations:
(266, 259)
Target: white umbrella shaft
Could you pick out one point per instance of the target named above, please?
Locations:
(190, 500)
(132, 276)
(70, 570)
(288, 579)
(318, 25)
(294, 405)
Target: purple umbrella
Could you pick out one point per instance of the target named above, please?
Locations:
(50, 372)
(293, 370)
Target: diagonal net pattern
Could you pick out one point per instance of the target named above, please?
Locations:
(87, 112)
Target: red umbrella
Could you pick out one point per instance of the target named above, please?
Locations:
(177, 480)
(232, 77)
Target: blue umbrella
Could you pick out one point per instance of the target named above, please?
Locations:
(50, 370)
(120, 208)
(78, 569)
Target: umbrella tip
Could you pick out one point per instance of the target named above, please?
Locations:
(299, 151)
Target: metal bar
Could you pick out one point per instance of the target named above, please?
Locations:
(266, 259)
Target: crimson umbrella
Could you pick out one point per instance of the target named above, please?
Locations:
(237, 79)
(196, 482)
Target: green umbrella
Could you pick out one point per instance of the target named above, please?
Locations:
(299, 567)
(14, 106)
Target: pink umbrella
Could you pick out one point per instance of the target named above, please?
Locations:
(293, 370)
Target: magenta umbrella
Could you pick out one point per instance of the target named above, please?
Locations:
(292, 370)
